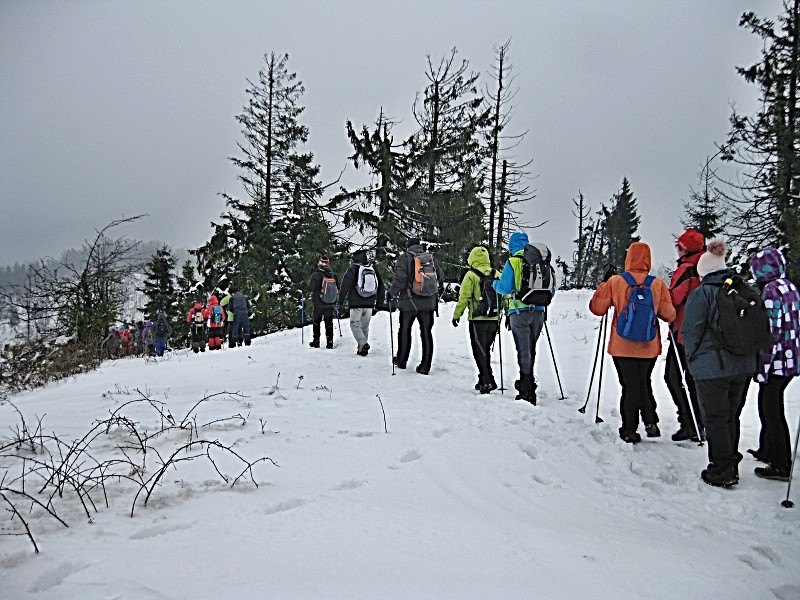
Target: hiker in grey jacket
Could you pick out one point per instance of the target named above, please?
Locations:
(361, 306)
(721, 378)
(240, 329)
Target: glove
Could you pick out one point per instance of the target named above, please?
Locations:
(610, 272)
(508, 323)
(455, 322)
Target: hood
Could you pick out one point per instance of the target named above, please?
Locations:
(691, 259)
(416, 248)
(767, 265)
(161, 317)
(360, 257)
(213, 301)
(479, 260)
(327, 271)
(638, 257)
(198, 305)
(517, 242)
(717, 277)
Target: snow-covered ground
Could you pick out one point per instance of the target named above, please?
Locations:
(466, 496)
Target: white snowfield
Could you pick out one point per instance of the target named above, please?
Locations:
(466, 496)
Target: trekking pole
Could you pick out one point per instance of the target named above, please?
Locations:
(500, 343)
(391, 334)
(582, 409)
(338, 321)
(788, 503)
(302, 316)
(553, 354)
(684, 386)
(597, 418)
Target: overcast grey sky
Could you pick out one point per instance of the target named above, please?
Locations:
(114, 108)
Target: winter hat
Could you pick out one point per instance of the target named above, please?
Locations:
(360, 256)
(713, 259)
(412, 242)
(691, 241)
(234, 289)
(324, 261)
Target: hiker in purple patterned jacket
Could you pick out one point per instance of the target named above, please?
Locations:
(778, 363)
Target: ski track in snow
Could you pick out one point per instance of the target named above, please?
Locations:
(462, 483)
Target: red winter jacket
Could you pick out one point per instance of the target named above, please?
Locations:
(197, 308)
(208, 310)
(684, 280)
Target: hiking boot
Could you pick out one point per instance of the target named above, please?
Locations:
(631, 438)
(314, 344)
(684, 433)
(397, 364)
(652, 430)
(364, 349)
(423, 370)
(329, 345)
(770, 472)
(485, 388)
(725, 479)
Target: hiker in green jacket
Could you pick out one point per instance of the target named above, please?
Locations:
(478, 297)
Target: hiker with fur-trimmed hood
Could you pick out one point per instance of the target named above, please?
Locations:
(361, 303)
(634, 361)
(482, 329)
(414, 307)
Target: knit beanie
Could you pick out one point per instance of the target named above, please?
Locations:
(324, 261)
(713, 259)
(691, 241)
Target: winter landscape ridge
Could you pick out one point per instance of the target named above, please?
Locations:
(465, 496)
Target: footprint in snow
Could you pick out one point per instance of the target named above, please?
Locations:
(411, 456)
(283, 506)
(762, 558)
(350, 484)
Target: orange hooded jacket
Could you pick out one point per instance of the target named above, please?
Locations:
(615, 292)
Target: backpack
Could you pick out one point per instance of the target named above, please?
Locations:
(637, 321)
(425, 282)
(329, 294)
(487, 306)
(160, 330)
(216, 314)
(538, 276)
(743, 324)
(198, 318)
(366, 281)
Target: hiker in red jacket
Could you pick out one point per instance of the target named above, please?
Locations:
(215, 315)
(197, 322)
(691, 246)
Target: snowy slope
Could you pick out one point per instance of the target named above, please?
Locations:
(466, 496)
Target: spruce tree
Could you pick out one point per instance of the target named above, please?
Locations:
(703, 210)
(159, 285)
(621, 224)
(765, 146)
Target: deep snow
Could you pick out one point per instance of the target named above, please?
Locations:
(466, 496)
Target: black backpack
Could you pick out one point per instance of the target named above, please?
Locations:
(487, 306)
(160, 329)
(742, 327)
(538, 276)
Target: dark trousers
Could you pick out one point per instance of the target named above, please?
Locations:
(721, 402)
(672, 377)
(637, 392)
(775, 444)
(240, 330)
(322, 313)
(481, 338)
(425, 319)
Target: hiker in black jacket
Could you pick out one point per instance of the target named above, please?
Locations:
(413, 306)
(324, 294)
(362, 286)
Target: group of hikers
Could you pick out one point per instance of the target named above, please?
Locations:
(209, 324)
(722, 333)
(143, 338)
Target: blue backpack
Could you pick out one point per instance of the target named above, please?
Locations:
(637, 321)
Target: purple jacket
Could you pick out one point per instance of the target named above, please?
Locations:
(783, 307)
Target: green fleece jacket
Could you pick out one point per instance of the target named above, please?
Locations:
(470, 293)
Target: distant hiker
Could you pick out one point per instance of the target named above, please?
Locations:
(196, 319)
(228, 325)
(691, 246)
(528, 281)
(418, 282)
(478, 297)
(215, 315)
(362, 286)
(720, 376)
(240, 329)
(148, 343)
(161, 331)
(778, 362)
(323, 289)
(635, 359)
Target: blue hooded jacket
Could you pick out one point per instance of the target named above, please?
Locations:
(511, 278)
